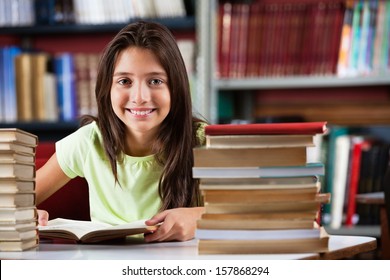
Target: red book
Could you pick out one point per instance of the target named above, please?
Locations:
(358, 145)
(225, 14)
(267, 128)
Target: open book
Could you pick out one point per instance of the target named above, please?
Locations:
(91, 232)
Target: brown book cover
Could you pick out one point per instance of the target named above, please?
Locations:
(262, 241)
(260, 196)
(267, 207)
(38, 71)
(259, 223)
(310, 245)
(259, 141)
(24, 87)
(292, 184)
(248, 157)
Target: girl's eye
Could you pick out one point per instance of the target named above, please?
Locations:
(124, 82)
(156, 82)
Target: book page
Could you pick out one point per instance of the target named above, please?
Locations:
(87, 231)
(78, 228)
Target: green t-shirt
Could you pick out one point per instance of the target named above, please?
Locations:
(82, 154)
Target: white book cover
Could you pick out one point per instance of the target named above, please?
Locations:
(343, 144)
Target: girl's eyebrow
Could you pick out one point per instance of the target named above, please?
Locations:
(121, 73)
(149, 74)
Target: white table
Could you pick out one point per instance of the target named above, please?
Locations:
(339, 247)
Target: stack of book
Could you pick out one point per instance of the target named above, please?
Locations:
(18, 214)
(260, 193)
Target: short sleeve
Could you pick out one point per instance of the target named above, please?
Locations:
(72, 150)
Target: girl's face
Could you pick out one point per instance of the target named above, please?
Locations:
(139, 93)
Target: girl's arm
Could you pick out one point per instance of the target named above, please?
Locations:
(49, 179)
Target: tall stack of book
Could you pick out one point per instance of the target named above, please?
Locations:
(18, 214)
(260, 193)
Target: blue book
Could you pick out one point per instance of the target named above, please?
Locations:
(45, 12)
(2, 85)
(364, 38)
(10, 96)
(66, 87)
(371, 36)
(356, 35)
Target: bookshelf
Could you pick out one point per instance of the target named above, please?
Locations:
(357, 101)
(76, 37)
(243, 90)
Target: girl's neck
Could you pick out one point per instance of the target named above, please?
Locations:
(139, 145)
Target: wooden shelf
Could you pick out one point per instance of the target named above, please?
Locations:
(177, 24)
(290, 82)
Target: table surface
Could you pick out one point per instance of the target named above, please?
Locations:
(339, 247)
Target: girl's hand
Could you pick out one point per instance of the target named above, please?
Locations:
(177, 224)
(43, 217)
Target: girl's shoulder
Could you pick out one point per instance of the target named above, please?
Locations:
(87, 135)
(90, 130)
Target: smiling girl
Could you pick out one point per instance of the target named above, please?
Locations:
(136, 155)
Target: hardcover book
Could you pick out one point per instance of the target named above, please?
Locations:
(262, 241)
(249, 157)
(267, 207)
(293, 184)
(19, 136)
(267, 128)
(17, 147)
(310, 169)
(14, 215)
(258, 141)
(18, 199)
(91, 232)
(15, 169)
(12, 185)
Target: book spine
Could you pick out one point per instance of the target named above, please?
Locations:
(357, 143)
(66, 87)
(10, 99)
(2, 84)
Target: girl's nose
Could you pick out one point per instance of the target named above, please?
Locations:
(140, 93)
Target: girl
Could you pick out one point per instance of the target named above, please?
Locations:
(137, 153)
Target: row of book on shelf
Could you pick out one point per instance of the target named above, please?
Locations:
(38, 86)
(18, 213)
(356, 164)
(352, 106)
(51, 12)
(260, 193)
(280, 38)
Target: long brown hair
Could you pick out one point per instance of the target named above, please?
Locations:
(177, 133)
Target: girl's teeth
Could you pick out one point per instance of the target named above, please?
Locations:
(141, 113)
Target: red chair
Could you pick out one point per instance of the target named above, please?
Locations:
(71, 201)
